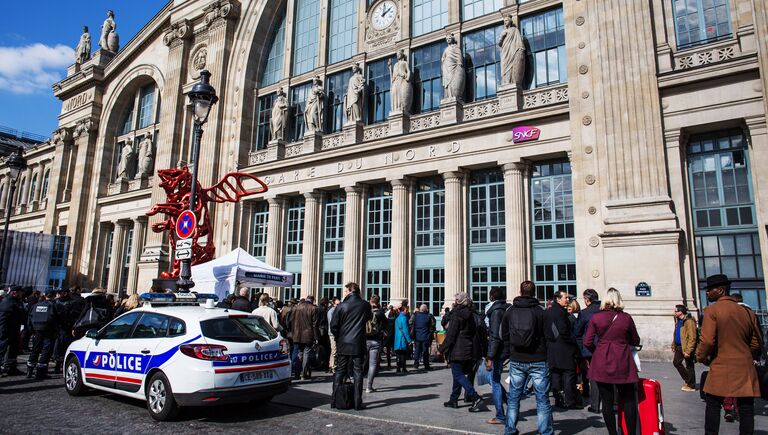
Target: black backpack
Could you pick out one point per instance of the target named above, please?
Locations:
(42, 316)
(522, 328)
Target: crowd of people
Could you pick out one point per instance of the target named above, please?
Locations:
(576, 357)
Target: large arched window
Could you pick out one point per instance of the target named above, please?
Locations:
(46, 180)
(306, 34)
(273, 68)
(32, 187)
(138, 124)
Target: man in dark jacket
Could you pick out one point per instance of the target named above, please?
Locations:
(241, 302)
(45, 321)
(64, 334)
(523, 334)
(305, 324)
(495, 356)
(348, 326)
(12, 316)
(422, 330)
(459, 349)
(561, 351)
(592, 303)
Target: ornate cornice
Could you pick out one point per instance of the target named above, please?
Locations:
(84, 127)
(59, 136)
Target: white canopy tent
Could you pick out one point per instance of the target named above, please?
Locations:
(220, 276)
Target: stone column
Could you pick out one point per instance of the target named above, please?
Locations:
(24, 193)
(758, 134)
(455, 234)
(155, 255)
(275, 239)
(400, 267)
(310, 258)
(81, 217)
(139, 234)
(61, 144)
(116, 257)
(353, 235)
(516, 245)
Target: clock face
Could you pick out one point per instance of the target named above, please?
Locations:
(384, 15)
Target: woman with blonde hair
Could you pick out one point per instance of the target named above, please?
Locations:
(128, 304)
(611, 335)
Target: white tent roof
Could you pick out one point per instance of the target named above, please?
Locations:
(220, 275)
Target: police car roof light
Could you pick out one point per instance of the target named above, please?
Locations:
(202, 297)
(157, 297)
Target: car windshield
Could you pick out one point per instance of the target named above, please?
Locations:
(238, 329)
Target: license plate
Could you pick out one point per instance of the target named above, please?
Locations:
(257, 376)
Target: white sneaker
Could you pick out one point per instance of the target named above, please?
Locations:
(369, 390)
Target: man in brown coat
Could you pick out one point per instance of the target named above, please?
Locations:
(305, 332)
(729, 337)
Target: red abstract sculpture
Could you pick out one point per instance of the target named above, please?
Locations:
(177, 184)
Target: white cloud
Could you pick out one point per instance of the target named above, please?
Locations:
(33, 68)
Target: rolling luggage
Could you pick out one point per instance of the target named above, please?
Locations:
(650, 409)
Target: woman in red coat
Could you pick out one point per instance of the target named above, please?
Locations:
(611, 335)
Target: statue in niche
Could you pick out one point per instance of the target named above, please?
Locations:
(453, 69)
(126, 158)
(146, 157)
(400, 77)
(353, 101)
(277, 123)
(83, 49)
(313, 110)
(109, 40)
(512, 54)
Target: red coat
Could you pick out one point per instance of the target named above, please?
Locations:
(612, 361)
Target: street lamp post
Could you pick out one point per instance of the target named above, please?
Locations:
(203, 97)
(16, 163)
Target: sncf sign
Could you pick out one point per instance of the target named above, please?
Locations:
(525, 134)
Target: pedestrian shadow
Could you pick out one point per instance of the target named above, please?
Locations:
(577, 425)
(397, 400)
(29, 389)
(405, 387)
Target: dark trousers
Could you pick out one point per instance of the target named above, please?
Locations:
(590, 386)
(460, 371)
(629, 402)
(349, 366)
(401, 357)
(421, 353)
(685, 366)
(301, 352)
(746, 412)
(9, 350)
(42, 348)
(63, 340)
(564, 380)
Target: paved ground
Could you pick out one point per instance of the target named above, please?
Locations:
(410, 404)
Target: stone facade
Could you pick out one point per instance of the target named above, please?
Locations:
(622, 121)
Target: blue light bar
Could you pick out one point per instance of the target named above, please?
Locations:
(168, 298)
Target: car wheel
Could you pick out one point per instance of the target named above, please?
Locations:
(160, 402)
(73, 379)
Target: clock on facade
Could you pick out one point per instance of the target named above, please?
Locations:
(384, 14)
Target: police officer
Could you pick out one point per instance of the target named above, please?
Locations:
(12, 316)
(67, 316)
(44, 321)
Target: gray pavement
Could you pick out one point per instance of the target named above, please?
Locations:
(401, 404)
(417, 398)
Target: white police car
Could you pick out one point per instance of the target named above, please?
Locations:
(175, 351)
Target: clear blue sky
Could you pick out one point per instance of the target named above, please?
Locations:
(37, 39)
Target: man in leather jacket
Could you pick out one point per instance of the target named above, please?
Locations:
(348, 327)
(495, 357)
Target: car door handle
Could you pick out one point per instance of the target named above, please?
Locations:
(112, 351)
(145, 351)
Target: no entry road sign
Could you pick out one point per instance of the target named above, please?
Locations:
(186, 224)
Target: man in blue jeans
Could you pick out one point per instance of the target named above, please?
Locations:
(494, 359)
(523, 335)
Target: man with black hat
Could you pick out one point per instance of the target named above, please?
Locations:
(12, 316)
(44, 321)
(729, 337)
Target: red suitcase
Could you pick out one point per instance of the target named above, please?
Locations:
(650, 409)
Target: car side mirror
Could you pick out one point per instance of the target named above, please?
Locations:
(92, 333)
